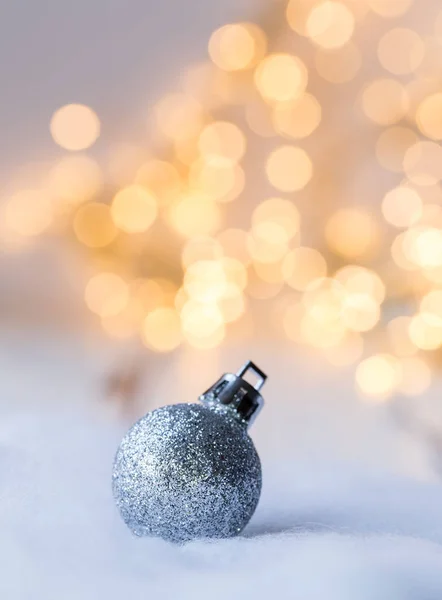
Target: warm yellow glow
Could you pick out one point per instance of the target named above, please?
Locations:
(392, 145)
(423, 163)
(302, 266)
(299, 118)
(201, 248)
(93, 225)
(280, 211)
(205, 281)
(235, 272)
(359, 280)
(289, 168)
(402, 206)
(223, 142)
(298, 12)
(220, 180)
(75, 127)
(195, 214)
(330, 24)
(398, 331)
(347, 352)
(401, 51)
(385, 101)
(339, 65)
(431, 304)
(360, 312)
(268, 242)
(423, 246)
(201, 320)
(281, 78)
(179, 116)
(162, 330)
(28, 213)
(390, 8)
(429, 116)
(161, 178)
(416, 376)
(352, 232)
(106, 294)
(134, 209)
(379, 376)
(75, 179)
(150, 294)
(425, 331)
(400, 254)
(237, 46)
(322, 324)
(232, 304)
(234, 244)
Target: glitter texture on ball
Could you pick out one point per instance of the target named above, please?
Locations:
(191, 471)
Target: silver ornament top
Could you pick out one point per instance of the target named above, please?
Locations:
(237, 396)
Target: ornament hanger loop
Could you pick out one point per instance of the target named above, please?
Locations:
(250, 366)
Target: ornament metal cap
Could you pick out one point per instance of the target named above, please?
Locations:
(238, 396)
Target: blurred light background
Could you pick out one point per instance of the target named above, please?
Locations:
(194, 184)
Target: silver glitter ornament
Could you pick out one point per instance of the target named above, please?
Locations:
(191, 471)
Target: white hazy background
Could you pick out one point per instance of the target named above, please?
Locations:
(352, 504)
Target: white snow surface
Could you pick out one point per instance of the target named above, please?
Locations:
(327, 528)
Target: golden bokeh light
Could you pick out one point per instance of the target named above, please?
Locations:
(222, 142)
(202, 324)
(352, 233)
(379, 376)
(234, 244)
(401, 51)
(93, 225)
(280, 211)
(425, 331)
(75, 127)
(390, 9)
(339, 65)
(28, 213)
(360, 312)
(75, 179)
(106, 294)
(201, 248)
(385, 101)
(161, 330)
(289, 168)
(392, 146)
(297, 13)
(195, 214)
(402, 206)
(237, 46)
(299, 118)
(134, 209)
(218, 179)
(431, 305)
(423, 163)
(330, 24)
(302, 266)
(281, 78)
(178, 116)
(161, 178)
(423, 246)
(360, 280)
(268, 242)
(429, 116)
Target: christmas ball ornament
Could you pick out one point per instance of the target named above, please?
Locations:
(191, 471)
